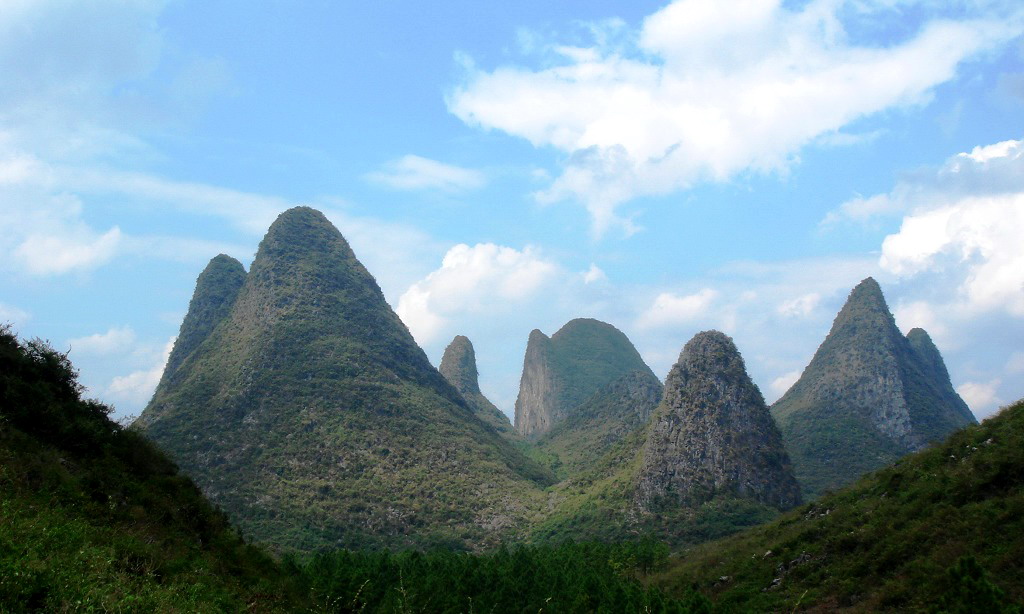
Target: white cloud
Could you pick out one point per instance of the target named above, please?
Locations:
(482, 279)
(921, 314)
(981, 397)
(801, 306)
(594, 275)
(671, 309)
(10, 314)
(115, 340)
(705, 93)
(49, 254)
(977, 240)
(415, 173)
(136, 388)
(781, 384)
(860, 209)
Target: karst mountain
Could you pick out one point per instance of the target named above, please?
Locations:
(869, 396)
(712, 435)
(582, 391)
(458, 366)
(300, 403)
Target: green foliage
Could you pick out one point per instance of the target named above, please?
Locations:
(94, 517)
(584, 577)
(886, 542)
(971, 591)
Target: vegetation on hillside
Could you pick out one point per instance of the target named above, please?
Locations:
(568, 578)
(310, 415)
(941, 530)
(869, 396)
(93, 517)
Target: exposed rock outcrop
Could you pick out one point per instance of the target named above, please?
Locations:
(563, 371)
(712, 435)
(458, 366)
(869, 396)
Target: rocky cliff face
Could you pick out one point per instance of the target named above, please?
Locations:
(599, 423)
(458, 366)
(312, 417)
(868, 396)
(712, 435)
(563, 371)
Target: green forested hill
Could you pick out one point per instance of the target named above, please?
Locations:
(869, 396)
(941, 530)
(94, 518)
(311, 416)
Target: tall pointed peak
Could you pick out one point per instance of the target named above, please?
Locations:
(712, 350)
(712, 434)
(216, 290)
(868, 396)
(536, 336)
(458, 365)
(867, 295)
(302, 232)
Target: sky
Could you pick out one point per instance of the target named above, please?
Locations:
(667, 167)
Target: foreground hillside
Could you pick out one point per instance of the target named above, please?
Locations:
(942, 529)
(94, 518)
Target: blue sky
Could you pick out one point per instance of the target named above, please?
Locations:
(499, 167)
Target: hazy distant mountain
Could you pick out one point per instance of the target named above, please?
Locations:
(869, 396)
(563, 371)
(312, 417)
(712, 435)
(458, 366)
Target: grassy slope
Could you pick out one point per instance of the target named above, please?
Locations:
(93, 516)
(886, 542)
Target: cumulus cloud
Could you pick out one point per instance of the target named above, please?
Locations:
(594, 275)
(483, 278)
(116, 340)
(700, 95)
(781, 384)
(670, 309)
(981, 397)
(415, 173)
(801, 306)
(136, 388)
(964, 226)
(10, 314)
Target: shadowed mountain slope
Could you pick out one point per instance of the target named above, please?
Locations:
(93, 517)
(563, 371)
